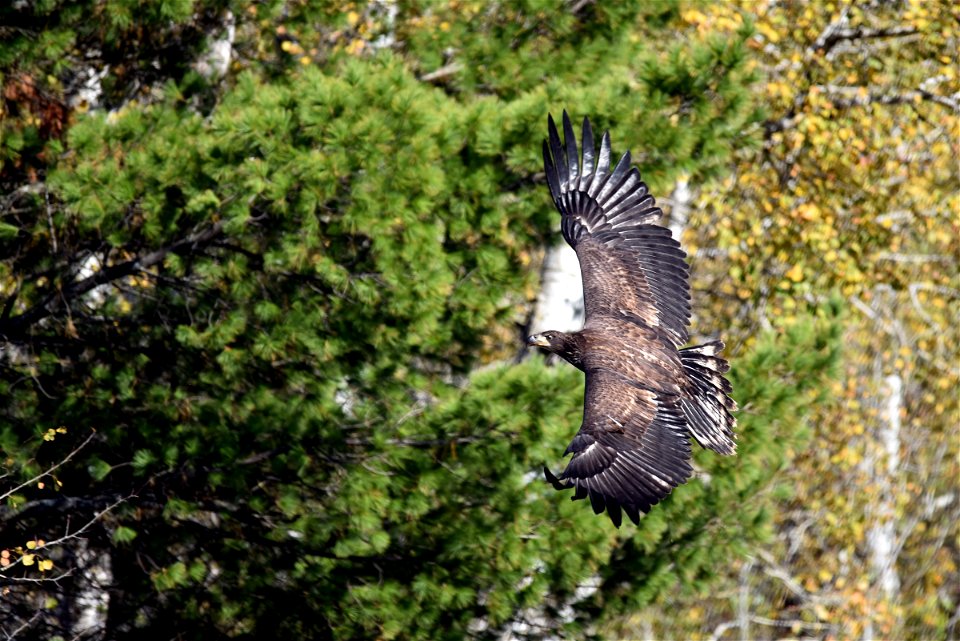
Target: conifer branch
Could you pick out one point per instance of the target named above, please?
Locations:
(13, 328)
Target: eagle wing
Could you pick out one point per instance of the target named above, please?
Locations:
(631, 268)
(632, 449)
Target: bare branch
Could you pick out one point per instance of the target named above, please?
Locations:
(442, 72)
(51, 469)
(891, 326)
(45, 579)
(810, 625)
(772, 569)
(86, 526)
(835, 33)
(721, 629)
(898, 257)
(70, 535)
(26, 624)
(579, 5)
(847, 97)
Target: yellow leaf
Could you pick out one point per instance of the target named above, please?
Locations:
(693, 16)
(809, 212)
(795, 273)
(45, 565)
(28, 559)
(355, 47)
(768, 32)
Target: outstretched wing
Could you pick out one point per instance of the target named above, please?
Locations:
(631, 268)
(631, 451)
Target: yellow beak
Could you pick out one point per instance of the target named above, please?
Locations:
(537, 340)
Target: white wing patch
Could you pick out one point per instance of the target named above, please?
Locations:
(619, 424)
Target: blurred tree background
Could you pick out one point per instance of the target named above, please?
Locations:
(265, 268)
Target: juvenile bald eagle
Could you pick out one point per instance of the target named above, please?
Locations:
(646, 394)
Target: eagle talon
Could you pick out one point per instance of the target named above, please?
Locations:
(553, 480)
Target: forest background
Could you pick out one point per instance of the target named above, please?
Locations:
(265, 269)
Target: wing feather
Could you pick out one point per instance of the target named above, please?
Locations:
(630, 452)
(588, 156)
(559, 158)
(630, 267)
(573, 159)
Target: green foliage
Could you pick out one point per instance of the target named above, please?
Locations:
(50, 51)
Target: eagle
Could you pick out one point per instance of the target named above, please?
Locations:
(646, 394)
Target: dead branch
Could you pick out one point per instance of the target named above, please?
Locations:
(847, 97)
(835, 33)
(442, 73)
(14, 327)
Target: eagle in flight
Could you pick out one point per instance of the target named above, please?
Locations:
(646, 394)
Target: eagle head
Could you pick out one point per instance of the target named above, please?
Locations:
(550, 341)
(567, 346)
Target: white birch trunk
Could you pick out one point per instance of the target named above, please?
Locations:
(93, 600)
(882, 535)
(881, 538)
(680, 212)
(560, 304)
(215, 63)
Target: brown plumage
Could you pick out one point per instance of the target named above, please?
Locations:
(645, 394)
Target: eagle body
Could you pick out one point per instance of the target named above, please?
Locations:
(646, 395)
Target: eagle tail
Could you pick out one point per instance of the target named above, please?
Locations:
(709, 408)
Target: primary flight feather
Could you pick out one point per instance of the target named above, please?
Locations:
(646, 394)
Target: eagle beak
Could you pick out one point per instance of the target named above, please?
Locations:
(537, 340)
